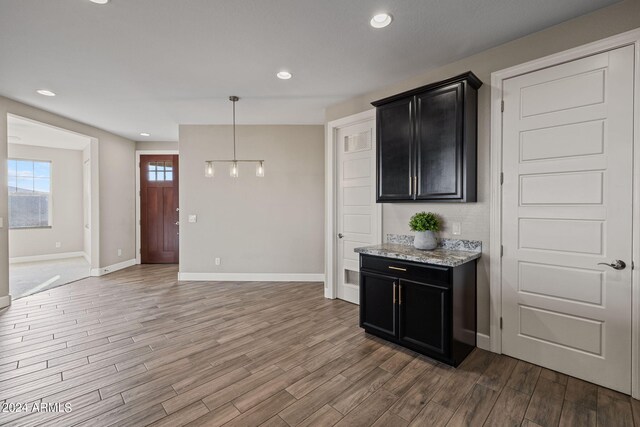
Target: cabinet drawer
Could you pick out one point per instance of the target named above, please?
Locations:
(407, 270)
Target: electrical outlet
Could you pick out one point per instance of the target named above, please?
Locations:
(58, 244)
(456, 228)
(193, 218)
(217, 261)
(119, 252)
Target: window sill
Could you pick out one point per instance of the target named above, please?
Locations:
(31, 228)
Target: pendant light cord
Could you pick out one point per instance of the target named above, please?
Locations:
(234, 129)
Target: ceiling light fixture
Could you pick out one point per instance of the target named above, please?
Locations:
(100, 1)
(145, 134)
(381, 20)
(234, 170)
(284, 75)
(46, 92)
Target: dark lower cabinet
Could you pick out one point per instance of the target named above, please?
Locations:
(427, 308)
(379, 311)
(423, 311)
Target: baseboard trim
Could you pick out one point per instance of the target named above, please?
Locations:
(97, 272)
(5, 301)
(483, 341)
(47, 257)
(251, 277)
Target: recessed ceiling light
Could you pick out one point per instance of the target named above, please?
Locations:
(46, 92)
(381, 20)
(100, 1)
(145, 134)
(284, 75)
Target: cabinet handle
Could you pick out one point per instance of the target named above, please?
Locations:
(394, 292)
(415, 185)
(411, 186)
(397, 268)
(400, 294)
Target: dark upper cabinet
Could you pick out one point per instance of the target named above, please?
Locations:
(395, 153)
(427, 143)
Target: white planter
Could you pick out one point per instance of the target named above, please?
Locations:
(425, 240)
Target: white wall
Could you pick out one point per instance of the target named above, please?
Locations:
(67, 205)
(115, 157)
(474, 217)
(255, 225)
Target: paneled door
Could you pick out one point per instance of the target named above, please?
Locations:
(356, 203)
(567, 215)
(159, 209)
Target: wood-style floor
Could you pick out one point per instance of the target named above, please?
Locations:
(137, 348)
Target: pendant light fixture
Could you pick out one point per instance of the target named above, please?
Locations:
(234, 170)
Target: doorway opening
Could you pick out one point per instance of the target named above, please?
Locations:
(49, 180)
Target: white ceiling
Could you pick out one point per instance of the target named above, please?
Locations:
(23, 131)
(136, 66)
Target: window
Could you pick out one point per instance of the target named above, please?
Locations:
(161, 171)
(29, 193)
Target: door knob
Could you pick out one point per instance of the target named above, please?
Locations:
(340, 235)
(615, 264)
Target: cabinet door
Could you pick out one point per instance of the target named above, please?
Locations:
(424, 316)
(439, 143)
(378, 303)
(395, 150)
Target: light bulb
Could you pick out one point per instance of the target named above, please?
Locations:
(260, 170)
(233, 170)
(209, 170)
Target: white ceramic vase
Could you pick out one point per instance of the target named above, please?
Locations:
(425, 240)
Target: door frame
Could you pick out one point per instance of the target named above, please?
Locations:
(629, 38)
(138, 203)
(331, 193)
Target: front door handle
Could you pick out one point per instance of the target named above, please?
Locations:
(615, 264)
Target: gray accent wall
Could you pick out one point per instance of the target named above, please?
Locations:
(273, 224)
(474, 217)
(156, 145)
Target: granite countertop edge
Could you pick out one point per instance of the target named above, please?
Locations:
(438, 256)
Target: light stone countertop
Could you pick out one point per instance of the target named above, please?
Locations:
(443, 255)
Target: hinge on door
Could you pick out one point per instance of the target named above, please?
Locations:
(502, 106)
(633, 266)
(501, 250)
(501, 178)
(501, 323)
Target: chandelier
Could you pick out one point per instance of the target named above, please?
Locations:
(234, 171)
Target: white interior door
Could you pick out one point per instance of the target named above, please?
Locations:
(357, 212)
(567, 208)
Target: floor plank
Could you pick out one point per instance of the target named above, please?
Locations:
(545, 406)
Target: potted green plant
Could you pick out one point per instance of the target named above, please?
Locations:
(425, 224)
